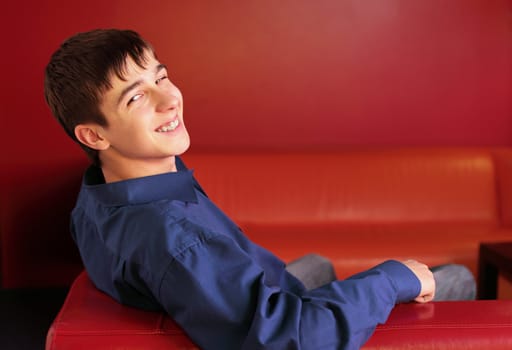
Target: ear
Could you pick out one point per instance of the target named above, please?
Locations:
(91, 136)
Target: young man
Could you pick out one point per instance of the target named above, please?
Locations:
(150, 237)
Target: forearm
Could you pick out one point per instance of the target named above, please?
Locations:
(355, 306)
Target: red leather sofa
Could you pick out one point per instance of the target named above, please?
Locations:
(357, 207)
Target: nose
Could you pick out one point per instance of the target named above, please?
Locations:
(166, 100)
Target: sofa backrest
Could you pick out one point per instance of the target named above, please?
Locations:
(503, 161)
(363, 186)
(264, 188)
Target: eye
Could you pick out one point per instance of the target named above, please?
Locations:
(161, 79)
(134, 98)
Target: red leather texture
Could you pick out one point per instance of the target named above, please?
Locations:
(446, 325)
(90, 319)
(503, 161)
(383, 186)
(359, 207)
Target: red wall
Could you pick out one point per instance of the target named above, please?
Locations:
(289, 73)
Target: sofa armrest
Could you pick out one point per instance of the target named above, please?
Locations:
(89, 319)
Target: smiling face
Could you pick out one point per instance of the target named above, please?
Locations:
(145, 131)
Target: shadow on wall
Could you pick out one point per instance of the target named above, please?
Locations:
(37, 249)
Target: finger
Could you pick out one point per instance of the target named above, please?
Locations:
(422, 299)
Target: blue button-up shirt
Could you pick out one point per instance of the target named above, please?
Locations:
(158, 242)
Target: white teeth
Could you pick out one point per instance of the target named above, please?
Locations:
(173, 125)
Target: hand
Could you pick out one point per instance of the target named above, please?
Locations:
(426, 277)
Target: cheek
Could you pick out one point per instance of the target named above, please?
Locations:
(135, 127)
(176, 92)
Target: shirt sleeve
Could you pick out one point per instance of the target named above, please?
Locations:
(222, 300)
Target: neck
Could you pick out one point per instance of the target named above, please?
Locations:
(117, 171)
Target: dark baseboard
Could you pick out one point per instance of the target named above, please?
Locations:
(26, 315)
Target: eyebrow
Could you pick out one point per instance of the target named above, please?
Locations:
(133, 85)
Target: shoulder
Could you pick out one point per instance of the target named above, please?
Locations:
(157, 229)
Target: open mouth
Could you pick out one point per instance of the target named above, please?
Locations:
(169, 127)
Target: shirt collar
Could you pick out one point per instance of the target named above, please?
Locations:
(173, 185)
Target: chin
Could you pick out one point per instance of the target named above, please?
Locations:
(182, 147)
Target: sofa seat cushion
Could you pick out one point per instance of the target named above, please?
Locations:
(446, 325)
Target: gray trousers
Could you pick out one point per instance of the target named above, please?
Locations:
(453, 282)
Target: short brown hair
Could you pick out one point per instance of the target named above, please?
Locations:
(79, 73)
